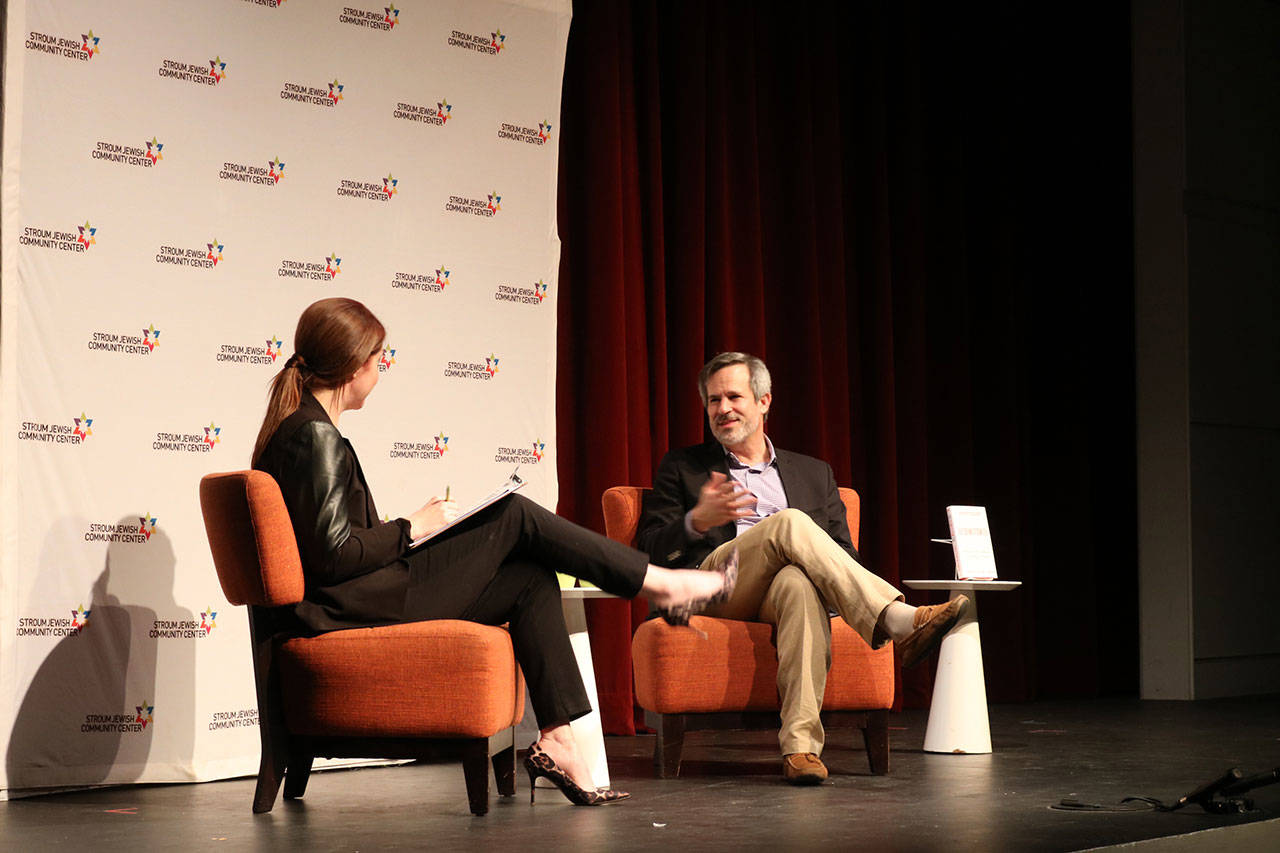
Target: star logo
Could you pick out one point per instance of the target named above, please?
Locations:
(389, 185)
(273, 348)
(147, 525)
(388, 357)
(145, 712)
(207, 617)
(539, 290)
(212, 434)
(80, 618)
(218, 68)
(444, 110)
(442, 443)
(538, 446)
(335, 91)
(151, 337)
(277, 169)
(495, 201)
(215, 251)
(331, 265)
(544, 130)
(154, 147)
(392, 15)
(86, 237)
(442, 276)
(83, 424)
(89, 44)
(497, 41)
(491, 364)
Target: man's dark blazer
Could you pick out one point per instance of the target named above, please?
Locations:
(809, 485)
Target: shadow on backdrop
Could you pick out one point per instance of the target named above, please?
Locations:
(89, 715)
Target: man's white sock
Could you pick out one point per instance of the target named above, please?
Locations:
(899, 619)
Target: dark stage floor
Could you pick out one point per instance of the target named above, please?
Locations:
(731, 796)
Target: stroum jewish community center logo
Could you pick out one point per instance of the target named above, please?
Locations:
(512, 132)
(209, 72)
(480, 371)
(487, 206)
(491, 44)
(204, 256)
(185, 629)
(145, 156)
(250, 353)
(242, 718)
(54, 626)
(388, 358)
(77, 240)
(248, 173)
(203, 440)
(136, 722)
(369, 190)
(384, 19)
(77, 431)
(534, 294)
(122, 533)
(327, 95)
(68, 47)
(124, 343)
(425, 282)
(315, 271)
(437, 116)
(433, 448)
(530, 454)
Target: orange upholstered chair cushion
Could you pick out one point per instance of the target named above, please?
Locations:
(251, 538)
(735, 668)
(443, 678)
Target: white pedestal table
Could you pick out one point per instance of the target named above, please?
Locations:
(958, 722)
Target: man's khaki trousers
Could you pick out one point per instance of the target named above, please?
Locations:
(789, 570)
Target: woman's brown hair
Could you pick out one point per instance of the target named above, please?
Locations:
(333, 339)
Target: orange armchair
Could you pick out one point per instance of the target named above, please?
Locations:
(417, 690)
(729, 679)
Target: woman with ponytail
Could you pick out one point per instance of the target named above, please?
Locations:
(498, 566)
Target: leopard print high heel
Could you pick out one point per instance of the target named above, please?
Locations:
(538, 763)
(678, 616)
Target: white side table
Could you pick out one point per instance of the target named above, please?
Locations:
(958, 720)
(587, 730)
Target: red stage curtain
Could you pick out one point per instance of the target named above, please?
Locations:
(920, 218)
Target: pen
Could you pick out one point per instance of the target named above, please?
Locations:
(446, 493)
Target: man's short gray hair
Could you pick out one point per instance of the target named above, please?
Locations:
(761, 383)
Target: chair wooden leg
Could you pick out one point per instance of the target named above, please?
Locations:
(271, 768)
(876, 738)
(504, 771)
(295, 781)
(668, 746)
(475, 768)
(272, 732)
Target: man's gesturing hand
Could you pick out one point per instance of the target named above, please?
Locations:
(720, 501)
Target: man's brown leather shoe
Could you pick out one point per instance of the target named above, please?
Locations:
(803, 768)
(932, 622)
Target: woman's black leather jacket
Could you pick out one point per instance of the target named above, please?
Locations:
(334, 518)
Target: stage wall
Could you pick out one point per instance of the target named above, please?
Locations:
(180, 180)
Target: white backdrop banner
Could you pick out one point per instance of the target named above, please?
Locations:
(180, 181)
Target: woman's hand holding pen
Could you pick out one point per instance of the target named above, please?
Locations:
(431, 516)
